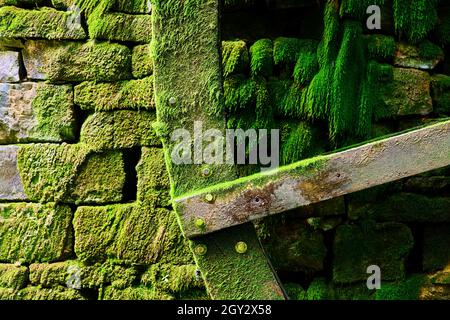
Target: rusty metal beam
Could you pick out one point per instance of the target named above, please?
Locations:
(315, 180)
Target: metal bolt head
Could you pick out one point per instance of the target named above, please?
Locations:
(200, 223)
(209, 197)
(241, 247)
(206, 172)
(172, 101)
(200, 250)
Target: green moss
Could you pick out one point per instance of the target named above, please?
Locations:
(408, 289)
(306, 67)
(286, 50)
(153, 179)
(133, 293)
(100, 180)
(295, 291)
(429, 50)
(378, 78)
(56, 293)
(12, 276)
(415, 19)
(320, 289)
(76, 62)
(381, 47)
(119, 130)
(133, 6)
(131, 95)
(46, 229)
(278, 89)
(136, 233)
(261, 53)
(235, 58)
(298, 141)
(357, 8)
(142, 62)
(54, 111)
(48, 172)
(240, 93)
(357, 247)
(45, 23)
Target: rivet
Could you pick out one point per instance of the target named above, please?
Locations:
(206, 172)
(200, 223)
(172, 101)
(200, 250)
(241, 247)
(209, 197)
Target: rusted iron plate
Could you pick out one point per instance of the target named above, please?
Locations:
(316, 180)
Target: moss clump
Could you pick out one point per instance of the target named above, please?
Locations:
(278, 89)
(91, 277)
(357, 247)
(119, 130)
(298, 141)
(409, 289)
(48, 171)
(132, 6)
(415, 19)
(45, 23)
(123, 95)
(12, 276)
(235, 58)
(142, 62)
(37, 293)
(135, 233)
(295, 291)
(46, 229)
(76, 62)
(357, 8)
(261, 53)
(320, 289)
(381, 47)
(153, 179)
(240, 93)
(172, 279)
(306, 67)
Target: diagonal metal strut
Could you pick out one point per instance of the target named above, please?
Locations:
(314, 180)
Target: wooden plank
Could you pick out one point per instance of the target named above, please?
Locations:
(316, 180)
(188, 88)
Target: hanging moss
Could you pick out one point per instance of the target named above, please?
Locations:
(306, 67)
(415, 19)
(357, 8)
(291, 104)
(286, 50)
(235, 57)
(263, 109)
(318, 96)
(380, 47)
(297, 142)
(240, 93)
(347, 81)
(278, 89)
(261, 53)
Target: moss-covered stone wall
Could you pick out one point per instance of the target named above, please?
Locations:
(85, 210)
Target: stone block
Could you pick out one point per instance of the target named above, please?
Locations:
(11, 187)
(142, 62)
(9, 66)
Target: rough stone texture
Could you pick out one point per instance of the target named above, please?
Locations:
(429, 185)
(153, 179)
(45, 23)
(36, 112)
(9, 66)
(20, 2)
(436, 249)
(440, 91)
(121, 27)
(293, 246)
(132, 94)
(63, 4)
(74, 61)
(137, 233)
(357, 247)
(409, 93)
(11, 187)
(90, 277)
(404, 207)
(38, 293)
(426, 56)
(100, 180)
(10, 44)
(119, 130)
(142, 62)
(12, 276)
(133, 6)
(34, 232)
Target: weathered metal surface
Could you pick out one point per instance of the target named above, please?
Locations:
(188, 88)
(316, 179)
